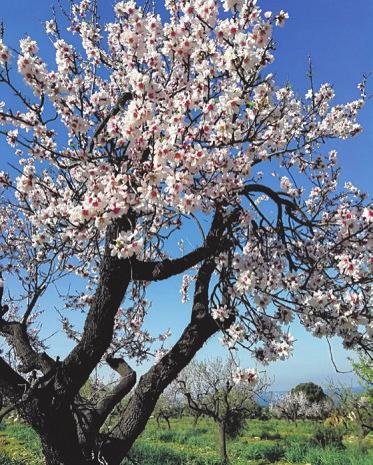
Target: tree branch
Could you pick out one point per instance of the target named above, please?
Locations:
(201, 327)
(11, 382)
(30, 359)
(126, 97)
(115, 275)
(112, 398)
(214, 243)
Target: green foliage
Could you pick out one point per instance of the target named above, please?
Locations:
(236, 421)
(235, 424)
(313, 392)
(298, 452)
(329, 436)
(364, 371)
(268, 434)
(6, 460)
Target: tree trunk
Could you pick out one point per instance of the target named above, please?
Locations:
(56, 424)
(57, 456)
(223, 442)
(60, 442)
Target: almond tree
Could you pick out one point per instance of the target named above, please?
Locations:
(295, 405)
(144, 131)
(170, 405)
(220, 391)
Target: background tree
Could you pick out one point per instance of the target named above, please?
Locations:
(218, 390)
(313, 392)
(140, 133)
(357, 407)
(296, 405)
(170, 405)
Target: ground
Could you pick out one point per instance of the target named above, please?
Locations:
(263, 442)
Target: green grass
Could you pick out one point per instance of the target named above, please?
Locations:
(261, 443)
(19, 445)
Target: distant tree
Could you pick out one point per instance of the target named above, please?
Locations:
(356, 407)
(295, 405)
(312, 391)
(170, 405)
(222, 392)
(289, 406)
(195, 415)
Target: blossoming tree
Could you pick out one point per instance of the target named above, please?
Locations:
(143, 130)
(296, 405)
(214, 388)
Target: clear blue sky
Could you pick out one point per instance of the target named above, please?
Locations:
(338, 35)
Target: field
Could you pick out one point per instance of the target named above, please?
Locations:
(262, 442)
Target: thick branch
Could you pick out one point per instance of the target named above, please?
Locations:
(151, 385)
(115, 276)
(121, 389)
(11, 382)
(19, 339)
(159, 270)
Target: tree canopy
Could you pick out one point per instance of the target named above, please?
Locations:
(313, 392)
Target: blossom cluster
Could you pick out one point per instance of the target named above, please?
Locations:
(249, 376)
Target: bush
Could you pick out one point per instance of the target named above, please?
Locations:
(312, 391)
(328, 436)
(296, 452)
(168, 436)
(235, 424)
(5, 460)
(266, 435)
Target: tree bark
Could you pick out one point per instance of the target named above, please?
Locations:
(56, 426)
(223, 442)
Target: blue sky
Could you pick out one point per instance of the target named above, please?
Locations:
(338, 35)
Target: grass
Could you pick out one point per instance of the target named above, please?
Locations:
(262, 443)
(19, 445)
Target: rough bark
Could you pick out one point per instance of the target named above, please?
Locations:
(115, 275)
(11, 383)
(31, 360)
(124, 386)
